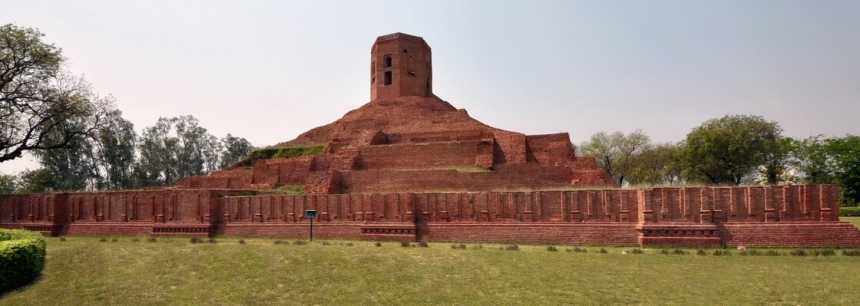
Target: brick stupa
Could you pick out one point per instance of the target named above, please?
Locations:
(408, 139)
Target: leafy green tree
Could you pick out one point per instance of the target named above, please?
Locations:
(115, 152)
(37, 99)
(658, 165)
(33, 181)
(813, 160)
(615, 152)
(776, 161)
(727, 149)
(235, 149)
(72, 167)
(845, 153)
(8, 184)
(174, 148)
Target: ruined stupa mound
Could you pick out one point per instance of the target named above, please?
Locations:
(408, 139)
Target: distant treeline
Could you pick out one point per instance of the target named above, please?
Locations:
(80, 139)
(732, 150)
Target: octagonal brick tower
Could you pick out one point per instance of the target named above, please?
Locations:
(400, 65)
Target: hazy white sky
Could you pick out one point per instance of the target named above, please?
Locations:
(269, 70)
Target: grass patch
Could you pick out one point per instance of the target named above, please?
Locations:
(171, 271)
(852, 220)
(295, 189)
(279, 152)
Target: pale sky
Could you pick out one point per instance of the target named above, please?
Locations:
(269, 70)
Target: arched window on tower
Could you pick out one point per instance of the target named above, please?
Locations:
(387, 79)
(372, 72)
(387, 61)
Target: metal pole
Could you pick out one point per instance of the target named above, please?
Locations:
(312, 229)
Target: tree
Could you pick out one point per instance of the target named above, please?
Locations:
(72, 167)
(845, 155)
(727, 149)
(34, 181)
(174, 148)
(8, 184)
(776, 161)
(657, 165)
(235, 149)
(37, 98)
(813, 161)
(615, 152)
(115, 152)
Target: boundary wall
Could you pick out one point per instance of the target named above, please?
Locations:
(787, 216)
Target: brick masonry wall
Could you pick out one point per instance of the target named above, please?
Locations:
(425, 155)
(551, 149)
(504, 177)
(795, 216)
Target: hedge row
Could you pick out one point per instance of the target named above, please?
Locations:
(22, 257)
(849, 211)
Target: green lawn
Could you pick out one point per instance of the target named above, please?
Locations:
(854, 220)
(85, 271)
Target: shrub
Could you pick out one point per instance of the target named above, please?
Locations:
(825, 252)
(580, 250)
(114, 240)
(379, 244)
(349, 244)
(241, 241)
(701, 252)
(512, 247)
(326, 243)
(151, 239)
(22, 257)
(195, 240)
(679, 252)
(103, 240)
(849, 211)
(850, 252)
(458, 246)
(773, 253)
(281, 242)
(404, 244)
(664, 252)
(719, 252)
(603, 251)
(636, 251)
(552, 248)
(300, 242)
(798, 252)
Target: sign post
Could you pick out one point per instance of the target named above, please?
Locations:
(311, 214)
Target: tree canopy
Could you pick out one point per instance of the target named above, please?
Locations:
(615, 152)
(41, 106)
(725, 150)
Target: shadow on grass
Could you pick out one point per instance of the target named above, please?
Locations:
(20, 287)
